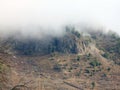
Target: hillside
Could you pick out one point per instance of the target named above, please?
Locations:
(75, 61)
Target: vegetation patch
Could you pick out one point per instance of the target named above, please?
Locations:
(95, 63)
(57, 67)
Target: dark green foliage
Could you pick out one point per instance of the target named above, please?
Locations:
(71, 29)
(117, 47)
(78, 58)
(57, 68)
(114, 48)
(106, 55)
(89, 57)
(76, 33)
(95, 63)
(108, 69)
(51, 48)
(65, 44)
(109, 43)
(87, 71)
(104, 75)
(113, 35)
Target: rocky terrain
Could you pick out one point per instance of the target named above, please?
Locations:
(75, 61)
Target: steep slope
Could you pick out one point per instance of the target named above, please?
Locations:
(109, 43)
(74, 61)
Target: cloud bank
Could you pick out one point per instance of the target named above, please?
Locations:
(48, 16)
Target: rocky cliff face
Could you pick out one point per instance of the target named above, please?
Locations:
(71, 42)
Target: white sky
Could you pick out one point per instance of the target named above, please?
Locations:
(17, 13)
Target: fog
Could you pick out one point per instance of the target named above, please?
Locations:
(42, 17)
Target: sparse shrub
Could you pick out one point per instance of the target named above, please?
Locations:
(64, 77)
(70, 69)
(87, 71)
(93, 85)
(78, 58)
(106, 55)
(108, 68)
(78, 73)
(57, 67)
(88, 56)
(95, 63)
(51, 49)
(53, 54)
(77, 34)
(72, 30)
(104, 75)
(91, 73)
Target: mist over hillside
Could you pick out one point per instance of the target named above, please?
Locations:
(63, 60)
(28, 16)
(59, 45)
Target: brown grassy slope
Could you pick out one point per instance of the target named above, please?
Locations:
(78, 72)
(85, 70)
